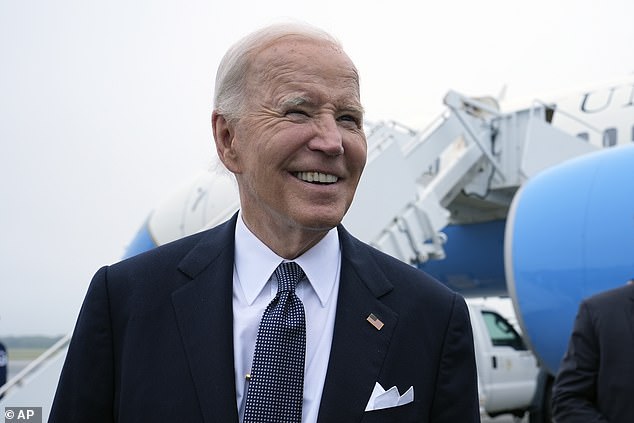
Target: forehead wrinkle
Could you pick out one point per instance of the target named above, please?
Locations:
(272, 67)
(269, 65)
(279, 76)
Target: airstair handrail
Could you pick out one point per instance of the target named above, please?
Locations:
(35, 364)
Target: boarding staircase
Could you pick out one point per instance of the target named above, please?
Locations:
(464, 168)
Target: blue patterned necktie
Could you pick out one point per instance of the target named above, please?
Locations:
(276, 386)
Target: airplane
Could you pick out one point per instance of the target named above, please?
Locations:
(542, 212)
(532, 203)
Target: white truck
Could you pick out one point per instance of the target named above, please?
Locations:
(507, 370)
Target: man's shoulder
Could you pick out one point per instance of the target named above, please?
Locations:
(150, 277)
(406, 278)
(620, 292)
(204, 244)
(610, 300)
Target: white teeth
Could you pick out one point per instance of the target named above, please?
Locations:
(323, 178)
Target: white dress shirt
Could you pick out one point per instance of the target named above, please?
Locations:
(255, 286)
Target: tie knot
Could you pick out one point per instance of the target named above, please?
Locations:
(288, 275)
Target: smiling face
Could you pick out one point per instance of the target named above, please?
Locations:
(299, 149)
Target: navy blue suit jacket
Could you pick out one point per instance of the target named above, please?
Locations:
(596, 378)
(153, 341)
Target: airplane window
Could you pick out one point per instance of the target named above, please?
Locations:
(501, 332)
(584, 136)
(609, 137)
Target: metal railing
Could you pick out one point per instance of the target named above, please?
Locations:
(19, 379)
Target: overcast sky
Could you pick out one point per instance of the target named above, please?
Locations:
(105, 105)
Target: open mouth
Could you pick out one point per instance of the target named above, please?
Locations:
(316, 177)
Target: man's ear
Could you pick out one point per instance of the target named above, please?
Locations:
(224, 136)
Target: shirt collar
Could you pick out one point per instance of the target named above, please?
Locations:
(255, 263)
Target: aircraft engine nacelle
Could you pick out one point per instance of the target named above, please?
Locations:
(569, 234)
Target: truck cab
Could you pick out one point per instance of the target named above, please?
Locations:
(507, 370)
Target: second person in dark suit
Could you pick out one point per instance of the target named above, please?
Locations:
(595, 382)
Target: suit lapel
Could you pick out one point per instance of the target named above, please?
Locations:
(358, 348)
(203, 309)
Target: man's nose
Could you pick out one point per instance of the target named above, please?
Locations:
(327, 137)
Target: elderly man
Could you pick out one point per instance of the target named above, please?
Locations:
(278, 315)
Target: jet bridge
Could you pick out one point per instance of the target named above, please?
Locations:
(465, 168)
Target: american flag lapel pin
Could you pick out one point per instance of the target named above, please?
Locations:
(375, 321)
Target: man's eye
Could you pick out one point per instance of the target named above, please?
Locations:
(296, 112)
(350, 118)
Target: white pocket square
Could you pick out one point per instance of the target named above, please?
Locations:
(381, 398)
